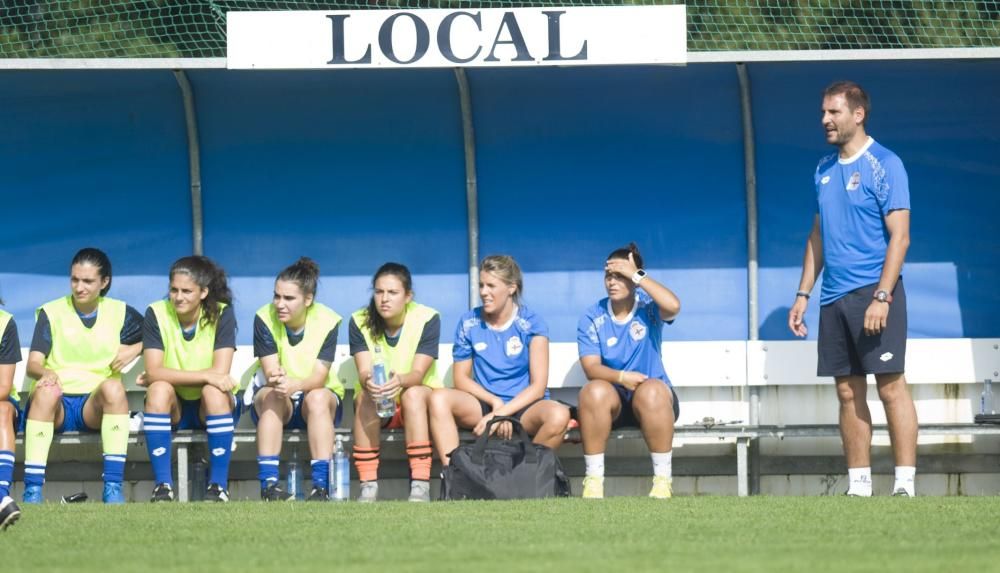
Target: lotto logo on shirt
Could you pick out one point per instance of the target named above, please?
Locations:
(637, 330)
(854, 182)
(514, 346)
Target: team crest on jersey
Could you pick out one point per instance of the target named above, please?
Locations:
(514, 346)
(854, 182)
(637, 330)
(612, 341)
(479, 346)
(824, 180)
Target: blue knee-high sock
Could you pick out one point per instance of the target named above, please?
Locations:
(6, 472)
(267, 470)
(114, 468)
(220, 445)
(321, 473)
(34, 474)
(158, 443)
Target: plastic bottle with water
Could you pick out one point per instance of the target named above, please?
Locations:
(295, 479)
(986, 399)
(386, 405)
(340, 470)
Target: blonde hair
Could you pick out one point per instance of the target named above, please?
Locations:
(505, 268)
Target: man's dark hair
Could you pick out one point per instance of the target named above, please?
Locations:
(855, 95)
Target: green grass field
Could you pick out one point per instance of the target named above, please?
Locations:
(717, 534)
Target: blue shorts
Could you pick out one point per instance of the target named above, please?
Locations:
(626, 418)
(191, 414)
(297, 422)
(72, 413)
(18, 418)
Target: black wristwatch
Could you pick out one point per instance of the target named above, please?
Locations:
(882, 296)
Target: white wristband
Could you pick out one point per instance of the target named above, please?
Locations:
(638, 276)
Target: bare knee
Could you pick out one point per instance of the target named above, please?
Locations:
(6, 414)
(415, 399)
(652, 395)
(318, 400)
(159, 397)
(112, 392)
(216, 402)
(595, 394)
(892, 389)
(557, 418)
(848, 392)
(44, 400)
(440, 403)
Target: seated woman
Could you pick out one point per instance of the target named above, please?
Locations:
(189, 341)
(10, 355)
(501, 367)
(619, 343)
(80, 345)
(406, 335)
(295, 339)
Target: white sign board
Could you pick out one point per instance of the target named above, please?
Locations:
(563, 36)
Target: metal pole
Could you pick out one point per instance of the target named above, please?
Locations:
(194, 162)
(753, 297)
(471, 187)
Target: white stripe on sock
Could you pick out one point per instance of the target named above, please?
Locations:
(152, 428)
(220, 430)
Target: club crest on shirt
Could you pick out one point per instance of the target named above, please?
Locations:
(479, 346)
(854, 182)
(824, 180)
(514, 346)
(637, 330)
(612, 341)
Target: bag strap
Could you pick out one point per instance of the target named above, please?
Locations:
(479, 448)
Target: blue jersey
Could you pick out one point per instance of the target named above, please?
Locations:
(632, 343)
(854, 196)
(499, 356)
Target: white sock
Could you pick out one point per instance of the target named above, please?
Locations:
(663, 465)
(595, 465)
(861, 481)
(904, 479)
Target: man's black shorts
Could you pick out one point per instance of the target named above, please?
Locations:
(845, 349)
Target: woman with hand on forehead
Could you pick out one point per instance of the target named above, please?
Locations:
(501, 367)
(619, 343)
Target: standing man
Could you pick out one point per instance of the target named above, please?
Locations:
(860, 236)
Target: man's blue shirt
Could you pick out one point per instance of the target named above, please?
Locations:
(854, 196)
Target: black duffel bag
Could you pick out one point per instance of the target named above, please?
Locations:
(493, 468)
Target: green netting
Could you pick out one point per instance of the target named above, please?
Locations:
(196, 28)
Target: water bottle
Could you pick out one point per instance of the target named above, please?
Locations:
(199, 477)
(295, 479)
(340, 485)
(986, 400)
(386, 405)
